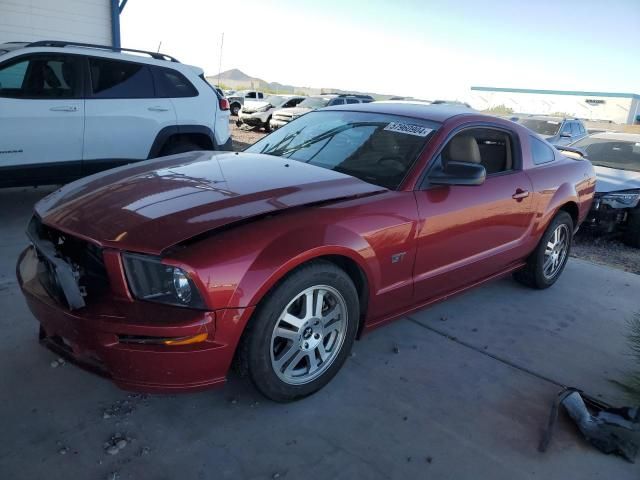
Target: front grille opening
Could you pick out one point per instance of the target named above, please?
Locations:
(84, 257)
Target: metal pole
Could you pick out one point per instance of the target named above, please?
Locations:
(220, 61)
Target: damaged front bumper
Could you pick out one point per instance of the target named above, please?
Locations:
(125, 340)
(610, 212)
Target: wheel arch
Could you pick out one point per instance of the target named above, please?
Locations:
(198, 134)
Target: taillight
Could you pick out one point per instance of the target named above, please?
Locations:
(224, 104)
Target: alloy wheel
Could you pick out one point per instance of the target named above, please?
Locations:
(556, 251)
(308, 335)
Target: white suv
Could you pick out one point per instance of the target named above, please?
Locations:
(68, 110)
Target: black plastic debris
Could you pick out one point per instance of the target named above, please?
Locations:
(609, 429)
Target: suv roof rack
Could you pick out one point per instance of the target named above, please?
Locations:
(60, 43)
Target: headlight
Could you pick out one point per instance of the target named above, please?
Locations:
(150, 279)
(628, 199)
(266, 108)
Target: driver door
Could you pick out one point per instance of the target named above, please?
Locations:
(468, 233)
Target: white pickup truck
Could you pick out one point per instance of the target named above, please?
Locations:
(236, 100)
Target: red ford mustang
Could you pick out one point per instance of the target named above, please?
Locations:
(159, 274)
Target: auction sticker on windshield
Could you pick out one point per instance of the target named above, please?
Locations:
(409, 129)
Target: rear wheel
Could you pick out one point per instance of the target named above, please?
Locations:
(547, 262)
(302, 334)
(632, 235)
(179, 146)
(235, 108)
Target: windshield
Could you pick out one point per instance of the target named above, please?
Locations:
(314, 102)
(613, 153)
(543, 127)
(376, 148)
(276, 100)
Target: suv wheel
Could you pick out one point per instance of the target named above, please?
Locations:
(302, 334)
(235, 109)
(179, 146)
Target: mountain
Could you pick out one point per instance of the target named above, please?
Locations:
(238, 80)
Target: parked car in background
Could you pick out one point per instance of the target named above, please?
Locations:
(556, 130)
(68, 110)
(280, 256)
(237, 99)
(284, 116)
(259, 113)
(616, 207)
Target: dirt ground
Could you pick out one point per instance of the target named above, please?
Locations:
(602, 250)
(608, 251)
(244, 136)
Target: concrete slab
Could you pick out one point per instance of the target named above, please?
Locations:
(440, 408)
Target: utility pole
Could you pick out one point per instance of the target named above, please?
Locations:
(220, 62)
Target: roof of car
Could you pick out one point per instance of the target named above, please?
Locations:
(438, 113)
(548, 117)
(620, 136)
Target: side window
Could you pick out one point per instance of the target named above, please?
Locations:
(337, 101)
(541, 152)
(290, 103)
(582, 130)
(115, 79)
(41, 77)
(172, 84)
(250, 95)
(491, 148)
(260, 95)
(352, 100)
(575, 130)
(566, 129)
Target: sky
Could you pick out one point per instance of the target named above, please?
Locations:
(423, 48)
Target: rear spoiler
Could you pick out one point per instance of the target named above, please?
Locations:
(572, 152)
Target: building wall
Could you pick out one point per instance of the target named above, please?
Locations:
(592, 107)
(87, 21)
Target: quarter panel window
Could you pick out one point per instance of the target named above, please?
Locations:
(172, 84)
(41, 77)
(541, 152)
(115, 79)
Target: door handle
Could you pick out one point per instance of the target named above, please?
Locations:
(64, 108)
(520, 194)
(158, 109)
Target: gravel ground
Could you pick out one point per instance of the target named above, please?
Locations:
(602, 250)
(244, 136)
(606, 250)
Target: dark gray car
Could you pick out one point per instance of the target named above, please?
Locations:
(556, 130)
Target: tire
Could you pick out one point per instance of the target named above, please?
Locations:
(632, 234)
(180, 146)
(267, 125)
(235, 108)
(539, 273)
(280, 366)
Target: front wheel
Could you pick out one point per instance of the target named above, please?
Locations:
(548, 260)
(302, 334)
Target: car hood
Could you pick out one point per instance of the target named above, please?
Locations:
(293, 111)
(253, 105)
(151, 206)
(614, 179)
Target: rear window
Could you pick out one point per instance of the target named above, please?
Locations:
(376, 148)
(115, 79)
(172, 84)
(543, 127)
(541, 152)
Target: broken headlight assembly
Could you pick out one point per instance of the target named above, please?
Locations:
(150, 279)
(625, 199)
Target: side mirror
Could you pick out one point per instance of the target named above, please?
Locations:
(459, 173)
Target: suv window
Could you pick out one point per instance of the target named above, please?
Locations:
(41, 77)
(352, 100)
(115, 79)
(172, 84)
(541, 152)
(337, 101)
